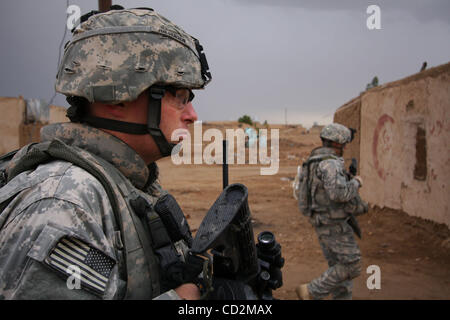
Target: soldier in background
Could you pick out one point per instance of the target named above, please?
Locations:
(327, 196)
(77, 215)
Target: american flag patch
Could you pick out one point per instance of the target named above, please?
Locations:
(93, 265)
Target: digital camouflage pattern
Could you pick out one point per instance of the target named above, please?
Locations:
(334, 196)
(343, 256)
(336, 132)
(59, 199)
(116, 55)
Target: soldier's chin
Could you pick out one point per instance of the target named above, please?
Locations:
(178, 140)
(180, 136)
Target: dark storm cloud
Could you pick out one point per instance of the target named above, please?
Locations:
(267, 57)
(424, 11)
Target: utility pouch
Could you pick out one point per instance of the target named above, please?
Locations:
(173, 218)
(168, 230)
(160, 239)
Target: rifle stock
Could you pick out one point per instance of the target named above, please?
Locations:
(228, 232)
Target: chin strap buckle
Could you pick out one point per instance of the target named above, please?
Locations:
(157, 93)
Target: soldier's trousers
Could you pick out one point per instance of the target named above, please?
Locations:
(343, 255)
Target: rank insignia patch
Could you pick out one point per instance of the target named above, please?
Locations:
(90, 266)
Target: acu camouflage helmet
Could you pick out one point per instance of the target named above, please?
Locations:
(116, 55)
(336, 132)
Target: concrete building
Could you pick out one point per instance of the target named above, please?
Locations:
(402, 143)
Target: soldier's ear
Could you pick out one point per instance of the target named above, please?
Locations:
(117, 111)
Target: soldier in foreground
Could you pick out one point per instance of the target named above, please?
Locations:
(328, 196)
(77, 215)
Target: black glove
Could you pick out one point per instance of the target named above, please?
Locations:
(353, 168)
(180, 272)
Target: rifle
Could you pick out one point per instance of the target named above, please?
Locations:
(353, 170)
(227, 232)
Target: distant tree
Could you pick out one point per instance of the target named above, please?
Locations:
(375, 81)
(246, 119)
(373, 84)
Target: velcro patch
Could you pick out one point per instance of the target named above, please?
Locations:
(88, 265)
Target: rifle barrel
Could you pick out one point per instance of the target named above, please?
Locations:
(224, 164)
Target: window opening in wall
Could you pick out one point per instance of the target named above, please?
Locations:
(420, 169)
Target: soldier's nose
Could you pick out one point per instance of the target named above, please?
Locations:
(189, 116)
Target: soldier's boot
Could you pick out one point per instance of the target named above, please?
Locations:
(303, 292)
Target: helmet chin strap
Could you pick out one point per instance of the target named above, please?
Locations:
(338, 147)
(153, 120)
(155, 95)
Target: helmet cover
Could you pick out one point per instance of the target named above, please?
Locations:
(116, 55)
(336, 132)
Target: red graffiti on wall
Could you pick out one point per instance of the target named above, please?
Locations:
(382, 137)
(437, 128)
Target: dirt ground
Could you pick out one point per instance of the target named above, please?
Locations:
(413, 254)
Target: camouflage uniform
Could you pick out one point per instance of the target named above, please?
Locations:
(334, 195)
(62, 234)
(60, 200)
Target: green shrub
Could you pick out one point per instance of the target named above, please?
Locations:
(245, 119)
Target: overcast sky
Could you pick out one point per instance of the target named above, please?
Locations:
(266, 56)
